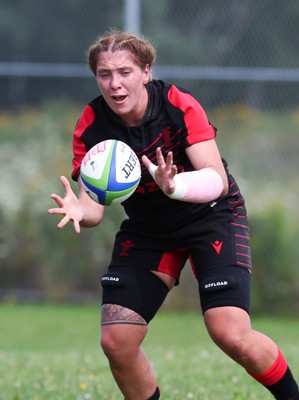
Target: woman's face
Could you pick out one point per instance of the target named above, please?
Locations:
(122, 84)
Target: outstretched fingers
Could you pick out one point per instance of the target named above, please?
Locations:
(66, 184)
(65, 221)
(167, 168)
(57, 199)
(69, 206)
(164, 172)
(160, 158)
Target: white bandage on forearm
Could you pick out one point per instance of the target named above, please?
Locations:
(200, 186)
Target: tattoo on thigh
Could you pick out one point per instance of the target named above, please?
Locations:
(113, 314)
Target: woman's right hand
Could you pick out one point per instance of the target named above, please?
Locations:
(69, 206)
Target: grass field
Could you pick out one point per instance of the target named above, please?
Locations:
(52, 352)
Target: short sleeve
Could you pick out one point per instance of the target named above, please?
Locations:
(79, 148)
(197, 125)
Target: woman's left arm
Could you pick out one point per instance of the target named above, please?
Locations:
(206, 155)
(205, 184)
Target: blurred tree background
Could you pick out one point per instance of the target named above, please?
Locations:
(239, 58)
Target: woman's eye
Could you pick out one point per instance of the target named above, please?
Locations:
(102, 74)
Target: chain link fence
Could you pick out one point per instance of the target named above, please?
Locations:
(225, 52)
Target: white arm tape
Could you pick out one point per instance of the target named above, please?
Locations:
(200, 186)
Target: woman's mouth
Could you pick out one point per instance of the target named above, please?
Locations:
(119, 99)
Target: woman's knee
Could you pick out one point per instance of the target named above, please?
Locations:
(229, 330)
(119, 338)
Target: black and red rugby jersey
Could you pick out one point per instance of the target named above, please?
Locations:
(173, 121)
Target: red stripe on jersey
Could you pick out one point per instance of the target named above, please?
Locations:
(195, 118)
(79, 148)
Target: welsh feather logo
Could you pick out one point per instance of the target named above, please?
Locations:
(125, 247)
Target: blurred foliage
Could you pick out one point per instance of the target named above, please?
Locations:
(40, 262)
(34, 254)
(275, 256)
(257, 121)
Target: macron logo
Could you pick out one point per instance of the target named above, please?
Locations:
(217, 245)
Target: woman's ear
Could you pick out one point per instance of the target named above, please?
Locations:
(147, 74)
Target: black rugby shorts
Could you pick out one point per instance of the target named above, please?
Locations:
(217, 245)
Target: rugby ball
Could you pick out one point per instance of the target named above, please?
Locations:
(110, 172)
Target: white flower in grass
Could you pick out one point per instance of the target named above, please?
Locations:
(205, 354)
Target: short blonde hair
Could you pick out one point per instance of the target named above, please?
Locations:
(142, 50)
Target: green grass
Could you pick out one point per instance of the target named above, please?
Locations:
(52, 352)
